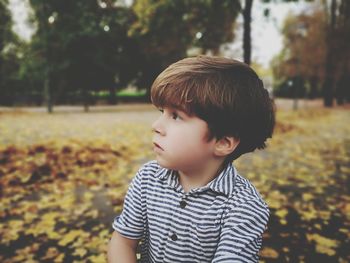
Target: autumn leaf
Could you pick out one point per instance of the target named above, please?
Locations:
(98, 259)
(281, 213)
(70, 237)
(323, 245)
(268, 252)
(81, 252)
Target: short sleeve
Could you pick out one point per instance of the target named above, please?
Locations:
(130, 223)
(241, 234)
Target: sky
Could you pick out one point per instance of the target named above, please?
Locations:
(266, 38)
(20, 15)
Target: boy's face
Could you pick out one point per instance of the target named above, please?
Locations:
(180, 141)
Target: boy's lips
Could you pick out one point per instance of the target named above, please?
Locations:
(157, 146)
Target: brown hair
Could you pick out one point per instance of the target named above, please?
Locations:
(225, 93)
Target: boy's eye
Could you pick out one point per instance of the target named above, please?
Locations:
(175, 116)
(161, 110)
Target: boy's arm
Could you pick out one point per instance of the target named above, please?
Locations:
(122, 249)
(241, 234)
(129, 226)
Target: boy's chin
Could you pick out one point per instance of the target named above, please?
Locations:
(165, 164)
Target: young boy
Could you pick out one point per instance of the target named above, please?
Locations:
(191, 205)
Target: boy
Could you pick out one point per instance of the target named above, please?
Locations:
(191, 205)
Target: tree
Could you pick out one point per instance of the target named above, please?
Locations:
(303, 55)
(338, 51)
(87, 45)
(10, 47)
(84, 46)
(5, 27)
(329, 63)
(316, 49)
(166, 30)
(247, 47)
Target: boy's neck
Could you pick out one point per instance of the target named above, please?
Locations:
(196, 178)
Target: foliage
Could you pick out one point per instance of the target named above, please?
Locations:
(316, 50)
(9, 56)
(62, 181)
(166, 30)
(303, 55)
(205, 24)
(83, 45)
(87, 45)
(337, 66)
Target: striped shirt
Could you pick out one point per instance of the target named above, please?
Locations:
(220, 222)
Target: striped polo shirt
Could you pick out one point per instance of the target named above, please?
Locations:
(220, 222)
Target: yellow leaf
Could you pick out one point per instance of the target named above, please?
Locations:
(285, 249)
(59, 258)
(346, 210)
(49, 219)
(73, 234)
(52, 234)
(308, 215)
(98, 259)
(52, 252)
(80, 252)
(88, 196)
(268, 252)
(92, 213)
(283, 221)
(344, 230)
(67, 202)
(307, 197)
(281, 213)
(104, 233)
(323, 245)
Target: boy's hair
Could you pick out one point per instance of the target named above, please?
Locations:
(225, 93)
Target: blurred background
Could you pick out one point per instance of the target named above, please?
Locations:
(75, 116)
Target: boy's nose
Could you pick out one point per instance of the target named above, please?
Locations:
(157, 127)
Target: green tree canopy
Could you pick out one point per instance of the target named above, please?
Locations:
(9, 57)
(83, 44)
(86, 45)
(166, 30)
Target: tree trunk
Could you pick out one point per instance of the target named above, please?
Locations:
(47, 82)
(86, 100)
(47, 92)
(341, 87)
(329, 66)
(247, 17)
(313, 87)
(112, 98)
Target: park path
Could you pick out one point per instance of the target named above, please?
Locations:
(29, 125)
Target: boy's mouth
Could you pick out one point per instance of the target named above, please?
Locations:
(157, 146)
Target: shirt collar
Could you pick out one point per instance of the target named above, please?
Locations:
(163, 173)
(224, 183)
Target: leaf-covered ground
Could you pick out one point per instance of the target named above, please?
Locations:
(63, 178)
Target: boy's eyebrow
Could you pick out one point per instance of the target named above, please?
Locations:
(174, 108)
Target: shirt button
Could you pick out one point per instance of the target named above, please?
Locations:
(173, 237)
(183, 204)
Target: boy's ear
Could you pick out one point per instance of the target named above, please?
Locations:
(225, 146)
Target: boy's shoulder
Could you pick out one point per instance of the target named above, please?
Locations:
(151, 169)
(245, 192)
(151, 166)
